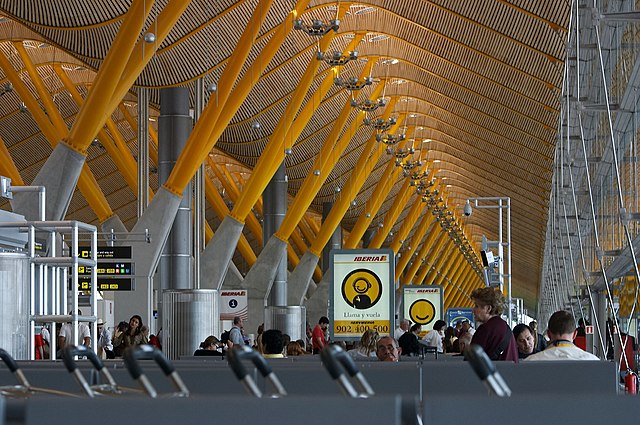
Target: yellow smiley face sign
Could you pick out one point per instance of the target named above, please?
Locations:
(422, 312)
(361, 289)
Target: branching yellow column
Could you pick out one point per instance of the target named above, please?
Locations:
(95, 110)
(427, 218)
(426, 245)
(216, 117)
(8, 167)
(86, 183)
(466, 283)
(153, 151)
(221, 210)
(446, 267)
(407, 225)
(437, 265)
(452, 285)
(428, 262)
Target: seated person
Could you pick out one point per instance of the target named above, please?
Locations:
(524, 340)
(209, 347)
(272, 344)
(561, 332)
(409, 341)
(295, 349)
(367, 346)
(387, 349)
(434, 338)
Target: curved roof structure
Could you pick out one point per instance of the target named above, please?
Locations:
(472, 89)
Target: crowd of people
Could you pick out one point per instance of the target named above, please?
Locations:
(493, 334)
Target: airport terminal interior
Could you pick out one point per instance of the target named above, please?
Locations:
(189, 162)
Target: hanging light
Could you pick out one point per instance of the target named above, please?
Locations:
(317, 28)
(369, 105)
(389, 139)
(352, 83)
(379, 123)
(336, 58)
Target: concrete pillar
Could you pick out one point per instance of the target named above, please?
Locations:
(336, 239)
(174, 127)
(274, 201)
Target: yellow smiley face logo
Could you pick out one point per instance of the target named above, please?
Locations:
(361, 289)
(422, 312)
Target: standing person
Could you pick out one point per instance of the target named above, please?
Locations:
(494, 334)
(403, 327)
(129, 335)
(434, 338)
(66, 335)
(235, 334)
(561, 331)
(318, 338)
(105, 347)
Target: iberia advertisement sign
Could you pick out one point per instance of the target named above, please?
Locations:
(423, 304)
(361, 293)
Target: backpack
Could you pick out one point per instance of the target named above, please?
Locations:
(224, 337)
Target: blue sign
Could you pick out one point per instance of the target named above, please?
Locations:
(456, 314)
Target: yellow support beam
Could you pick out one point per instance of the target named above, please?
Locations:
(8, 167)
(437, 264)
(407, 225)
(452, 285)
(428, 262)
(86, 183)
(133, 123)
(273, 155)
(424, 248)
(221, 210)
(122, 158)
(216, 117)
(446, 267)
(95, 110)
(225, 178)
(466, 284)
(427, 218)
(143, 52)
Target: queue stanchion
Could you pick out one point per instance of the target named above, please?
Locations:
(337, 361)
(148, 352)
(237, 355)
(24, 388)
(486, 371)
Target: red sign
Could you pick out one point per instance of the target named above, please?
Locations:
(588, 330)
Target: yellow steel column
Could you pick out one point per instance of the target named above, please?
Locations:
(153, 151)
(468, 284)
(221, 210)
(143, 52)
(427, 218)
(86, 183)
(324, 162)
(444, 270)
(8, 167)
(392, 215)
(437, 264)
(234, 194)
(428, 262)
(123, 160)
(426, 245)
(356, 179)
(273, 154)
(407, 225)
(455, 287)
(95, 109)
(216, 117)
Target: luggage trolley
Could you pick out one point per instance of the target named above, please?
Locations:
(148, 352)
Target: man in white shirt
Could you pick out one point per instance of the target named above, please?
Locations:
(105, 347)
(561, 332)
(65, 337)
(402, 328)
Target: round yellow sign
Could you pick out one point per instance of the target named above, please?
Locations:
(361, 289)
(422, 312)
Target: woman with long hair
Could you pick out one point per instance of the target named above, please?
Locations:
(129, 335)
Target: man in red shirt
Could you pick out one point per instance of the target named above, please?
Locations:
(318, 339)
